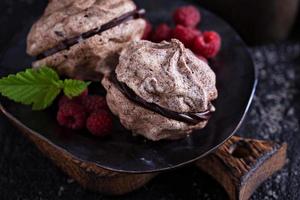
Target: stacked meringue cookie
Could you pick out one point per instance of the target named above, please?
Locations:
(167, 76)
(158, 90)
(82, 38)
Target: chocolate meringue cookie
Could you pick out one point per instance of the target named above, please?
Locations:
(83, 38)
(167, 77)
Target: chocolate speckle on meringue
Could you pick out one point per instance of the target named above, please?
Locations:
(168, 75)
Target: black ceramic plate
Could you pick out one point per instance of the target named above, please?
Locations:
(124, 153)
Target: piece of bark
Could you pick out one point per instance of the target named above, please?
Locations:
(241, 165)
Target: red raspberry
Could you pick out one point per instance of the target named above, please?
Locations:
(147, 31)
(100, 123)
(185, 35)
(64, 99)
(94, 103)
(71, 115)
(162, 32)
(196, 32)
(208, 44)
(188, 16)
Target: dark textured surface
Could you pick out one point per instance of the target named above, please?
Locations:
(26, 174)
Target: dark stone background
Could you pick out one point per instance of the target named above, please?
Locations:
(26, 174)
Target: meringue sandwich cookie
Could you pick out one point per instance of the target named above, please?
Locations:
(83, 38)
(161, 90)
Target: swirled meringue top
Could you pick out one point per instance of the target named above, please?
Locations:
(168, 75)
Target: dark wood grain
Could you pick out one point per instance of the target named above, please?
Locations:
(241, 165)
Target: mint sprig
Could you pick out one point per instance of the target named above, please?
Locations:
(39, 87)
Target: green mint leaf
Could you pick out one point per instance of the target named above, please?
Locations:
(38, 87)
(32, 87)
(73, 88)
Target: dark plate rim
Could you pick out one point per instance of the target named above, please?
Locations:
(22, 126)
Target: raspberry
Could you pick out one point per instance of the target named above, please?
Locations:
(64, 99)
(196, 32)
(71, 115)
(188, 16)
(94, 103)
(162, 32)
(208, 44)
(185, 35)
(147, 31)
(100, 123)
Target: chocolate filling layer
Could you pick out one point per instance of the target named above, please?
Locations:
(190, 118)
(66, 44)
